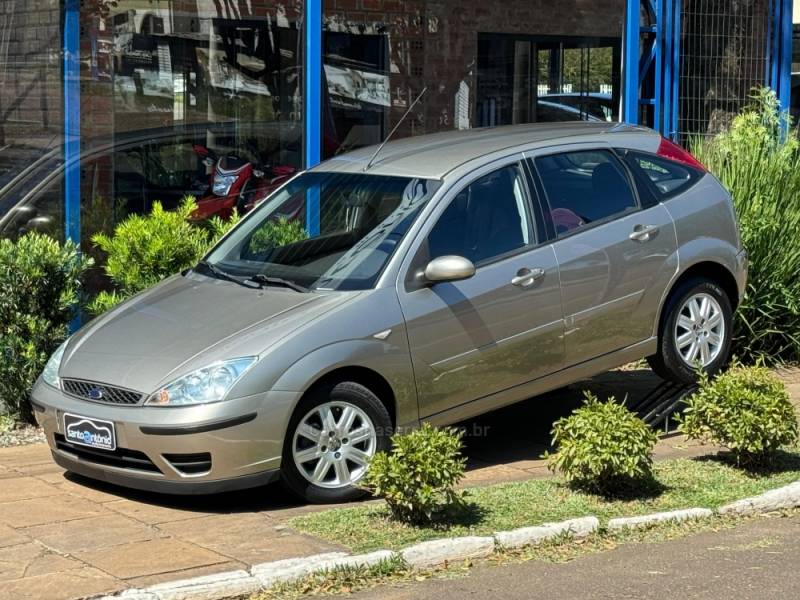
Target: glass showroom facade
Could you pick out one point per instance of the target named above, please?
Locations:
(109, 106)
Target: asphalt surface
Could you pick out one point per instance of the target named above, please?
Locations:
(759, 559)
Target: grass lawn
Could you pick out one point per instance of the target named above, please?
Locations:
(682, 483)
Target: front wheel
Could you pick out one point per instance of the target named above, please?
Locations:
(333, 433)
(695, 332)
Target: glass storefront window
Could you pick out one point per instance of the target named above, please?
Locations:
(171, 93)
(483, 64)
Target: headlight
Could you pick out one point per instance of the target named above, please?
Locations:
(222, 184)
(50, 373)
(209, 384)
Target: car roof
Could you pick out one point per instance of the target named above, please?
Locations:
(434, 155)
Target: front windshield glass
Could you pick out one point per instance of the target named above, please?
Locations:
(333, 231)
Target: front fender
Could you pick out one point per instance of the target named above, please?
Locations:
(389, 359)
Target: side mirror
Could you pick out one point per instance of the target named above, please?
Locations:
(449, 268)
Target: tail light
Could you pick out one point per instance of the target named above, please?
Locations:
(672, 151)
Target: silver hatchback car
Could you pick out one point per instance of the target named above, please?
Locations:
(454, 274)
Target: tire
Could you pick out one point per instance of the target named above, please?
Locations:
(339, 451)
(670, 362)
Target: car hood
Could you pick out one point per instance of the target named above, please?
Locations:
(185, 323)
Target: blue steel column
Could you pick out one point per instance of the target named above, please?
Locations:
(630, 63)
(784, 79)
(72, 121)
(312, 33)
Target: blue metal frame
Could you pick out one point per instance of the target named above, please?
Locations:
(651, 76)
(72, 121)
(779, 65)
(312, 68)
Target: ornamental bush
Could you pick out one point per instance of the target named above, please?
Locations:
(145, 249)
(417, 477)
(603, 447)
(39, 296)
(760, 165)
(746, 409)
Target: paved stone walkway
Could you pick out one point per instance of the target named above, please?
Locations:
(63, 537)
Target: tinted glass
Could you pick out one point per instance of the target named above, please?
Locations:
(666, 177)
(487, 219)
(584, 187)
(355, 223)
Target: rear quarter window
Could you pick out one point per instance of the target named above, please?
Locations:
(661, 178)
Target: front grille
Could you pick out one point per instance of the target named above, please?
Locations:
(190, 464)
(99, 392)
(121, 457)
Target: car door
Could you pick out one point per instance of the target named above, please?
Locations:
(502, 327)
(615, 256)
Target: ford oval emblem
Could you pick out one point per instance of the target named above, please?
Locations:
(95, 394)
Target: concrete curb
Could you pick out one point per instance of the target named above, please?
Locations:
(777, 499)
(652, 519)
(436, 552)
(532, 536)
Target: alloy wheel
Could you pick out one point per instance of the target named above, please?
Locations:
(333, 443)
(700, 330)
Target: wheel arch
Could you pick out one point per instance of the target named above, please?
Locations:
(369, 378)
(709, 270)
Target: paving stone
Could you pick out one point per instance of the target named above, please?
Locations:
(151, 557)
(24, 487)
(32, 559)
(51, 509)
(93, 533)
(25, 456)
(230, 584)
(11, 537)
(647, 520)
(437, 552)
(152, 514)
(76, 583)
(249, 538)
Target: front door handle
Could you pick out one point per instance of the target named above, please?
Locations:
(527, 277)
(643, 233)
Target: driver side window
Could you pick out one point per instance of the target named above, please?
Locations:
(487, 219)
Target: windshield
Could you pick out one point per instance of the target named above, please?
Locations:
(326, 231)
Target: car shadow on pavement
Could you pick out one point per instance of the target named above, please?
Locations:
(506, 444)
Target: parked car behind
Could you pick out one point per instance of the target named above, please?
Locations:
(450, 275)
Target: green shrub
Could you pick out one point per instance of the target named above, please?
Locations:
(761, 169)
(148, 248)
(39, 295)
(603, 447)
(276, 233)
(746, 409)
(417, 477)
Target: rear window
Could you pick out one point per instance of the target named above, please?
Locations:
(663, 177)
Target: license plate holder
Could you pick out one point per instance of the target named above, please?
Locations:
(90, 432)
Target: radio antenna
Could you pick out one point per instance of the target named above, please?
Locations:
(391, 133)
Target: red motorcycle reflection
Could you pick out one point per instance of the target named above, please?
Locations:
(236, 184)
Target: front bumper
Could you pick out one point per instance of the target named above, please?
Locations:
(742, 267)
(211, 448)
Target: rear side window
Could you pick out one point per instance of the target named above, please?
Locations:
(665, 178)
(584, 187)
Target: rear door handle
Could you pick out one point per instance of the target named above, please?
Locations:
(643, 233)
(527, 277)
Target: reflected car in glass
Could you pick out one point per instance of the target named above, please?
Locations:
(448, 276)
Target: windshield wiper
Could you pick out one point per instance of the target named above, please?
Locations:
(219, 273)
(262, 279)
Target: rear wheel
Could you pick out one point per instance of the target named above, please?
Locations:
(331, 437)
(695, 332)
